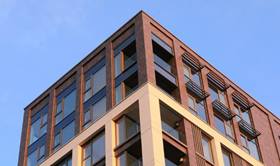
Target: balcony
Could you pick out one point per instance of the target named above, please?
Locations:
(196, 90)
(222, 110)
(248, 129)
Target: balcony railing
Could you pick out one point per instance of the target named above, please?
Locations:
(196, 90)
(246, 127)
(221, 109)
(166, 74)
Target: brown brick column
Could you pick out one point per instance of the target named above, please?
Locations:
(208, 101)
(180, 73)
(79, 101)
(229, 91)
(190, 143)
(144, 50)
(24, 138)
(109, 75)
(50, 124)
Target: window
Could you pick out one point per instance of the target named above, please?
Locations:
(225, 127)
(128, 140)
(94, 112)
(126, 128)
(36, 157)
(125, 58)
(65, 106)
(197, 107)
(242, 113)
(173, 156)
(94, 83)
(65, 162)
(128, 159)
(227, 158)
(39, 125)
(250, 146)
(172, 123)
(217, 94)
(191, 74)
(64, 135)
(94, 151)
(206, 146)
(126, 87)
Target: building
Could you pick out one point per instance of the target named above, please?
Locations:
(145, 98)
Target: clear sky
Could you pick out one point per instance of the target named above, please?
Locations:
(42, 40)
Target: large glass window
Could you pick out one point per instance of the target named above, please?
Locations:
(242, 113)
(250, 146)
(126, 87)
(190, 74)
(125, 58)
(172, 123)
(197, 107)
(206, 146)
(225, 127)
(94, 151)
(38, 127)
(64, 135)
(94, 112)
(126, 128)
(36, 157)
(227, 158)
(217, 94)
(94, 83)
(65, 106)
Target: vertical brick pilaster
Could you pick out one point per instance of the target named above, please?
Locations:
(109, 75)
(208, 101)
(190, 143)
(23, 142)
(79, 101)
(180, 74)
(50, 136)
(229, 91)
(144, 50)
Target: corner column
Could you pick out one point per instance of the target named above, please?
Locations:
(151, 132)
(145, 60)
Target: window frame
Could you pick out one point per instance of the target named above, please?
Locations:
(229, 155)
(90, 110)
(225, 124)
(89, 144)
(195, 109)
(121, 54)
(118, 143)
(62, 102)
(247, 146)
(42, 123)
(219, 92)
(60, 134)
(208, 140)
(91, 78)
(190, 72)
(241, 110)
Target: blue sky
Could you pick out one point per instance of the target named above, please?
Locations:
(240, 38)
